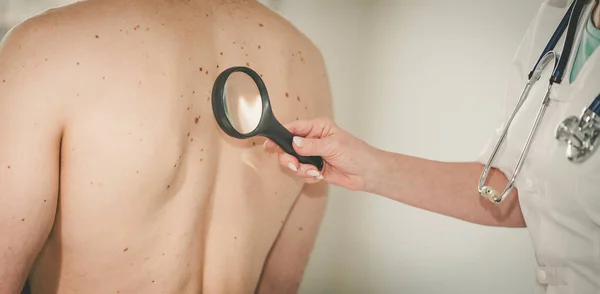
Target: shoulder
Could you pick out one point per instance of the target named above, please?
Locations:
(32, 58)
(69, 46)
(51, 44)
(294, 65)
(307, 65)
(290, 34)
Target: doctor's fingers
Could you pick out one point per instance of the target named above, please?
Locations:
(305, 146)
(315, 147)
(309, 173)
(312, 128)
(270, 146)
(315, 128)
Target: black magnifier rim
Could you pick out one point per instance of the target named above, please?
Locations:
(218, 103)
(268, 125)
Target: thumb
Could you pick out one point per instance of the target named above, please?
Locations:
(310, 147)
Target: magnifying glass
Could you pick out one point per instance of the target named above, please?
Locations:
(242, 108)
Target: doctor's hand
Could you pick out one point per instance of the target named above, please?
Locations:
(347, 159)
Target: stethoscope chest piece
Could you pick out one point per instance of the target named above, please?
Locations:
(581, 134)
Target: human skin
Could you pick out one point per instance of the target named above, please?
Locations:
(115, 177)
(442, 187)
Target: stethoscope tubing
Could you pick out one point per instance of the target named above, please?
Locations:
(569, 22)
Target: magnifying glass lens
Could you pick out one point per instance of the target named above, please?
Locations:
(242, 101)
(242, 108)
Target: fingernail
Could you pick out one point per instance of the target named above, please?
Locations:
(320, 177)
(292, 167)
(298, 141)
(313, 173)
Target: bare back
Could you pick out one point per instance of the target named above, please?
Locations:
(115, 170)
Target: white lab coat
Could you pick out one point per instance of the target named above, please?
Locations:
(560, 200)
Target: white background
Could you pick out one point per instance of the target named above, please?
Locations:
(423, 78)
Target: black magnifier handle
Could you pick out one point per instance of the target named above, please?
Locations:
(282, 137)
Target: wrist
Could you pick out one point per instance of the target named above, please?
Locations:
(378, 169)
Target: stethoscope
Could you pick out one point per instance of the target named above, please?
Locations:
(581, 134)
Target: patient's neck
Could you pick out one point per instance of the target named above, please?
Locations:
(597, 15)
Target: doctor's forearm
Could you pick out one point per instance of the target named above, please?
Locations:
(446, 188)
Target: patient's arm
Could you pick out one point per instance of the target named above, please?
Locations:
(289, 256)
(30, 134)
